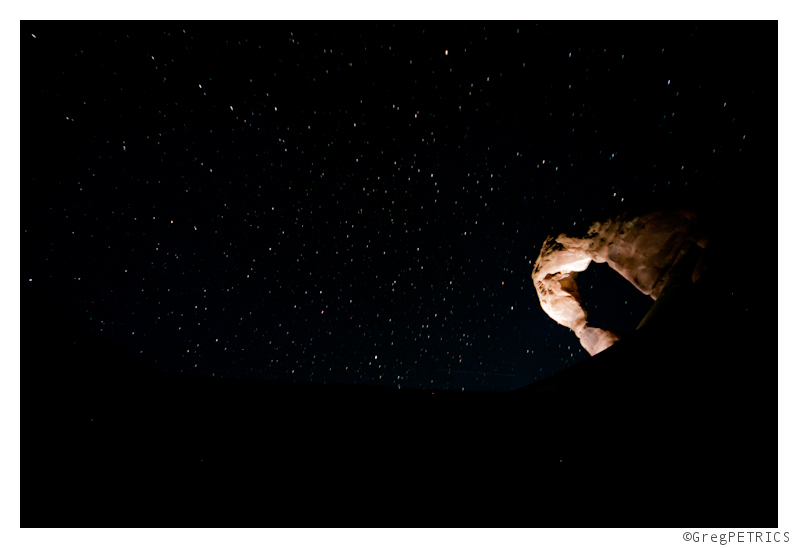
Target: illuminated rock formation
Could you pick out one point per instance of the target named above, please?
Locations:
(644, 249)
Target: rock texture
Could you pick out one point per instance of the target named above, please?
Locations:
(644, 249)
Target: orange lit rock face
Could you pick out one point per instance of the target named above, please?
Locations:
(643, 249)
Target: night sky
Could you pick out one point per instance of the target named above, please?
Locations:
(362, 203)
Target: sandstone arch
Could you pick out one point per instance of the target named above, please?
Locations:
(652, 251)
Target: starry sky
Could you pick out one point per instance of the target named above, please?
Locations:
(362, 203)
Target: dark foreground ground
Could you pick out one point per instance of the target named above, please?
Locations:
(674, 426)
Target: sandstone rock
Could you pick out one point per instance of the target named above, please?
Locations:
(644, 249)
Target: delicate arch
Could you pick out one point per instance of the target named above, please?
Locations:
(642, 248)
